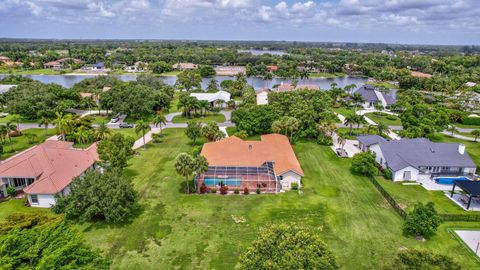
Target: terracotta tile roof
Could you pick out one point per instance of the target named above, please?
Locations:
(420, 74)
(285, 87)
(233, 151)
(52, 165)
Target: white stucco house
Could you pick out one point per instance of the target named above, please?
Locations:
(45, 170)
(213, 97)
(419, 158)
(262, 96)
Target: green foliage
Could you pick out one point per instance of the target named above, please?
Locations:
(242, 134)
(133, 99)
(421, 120)
(294, 186)
(34, 99)
(206, 71)
(107, 196)
(387, 173)
(212, 132)
(287, 246)
(255, 119)
(414, 259)
(51, 246)
(364, 164)
(11, 191)
(286, 125)
(422, 220)
(115, 150)
(95, 84)
(258, 191)
(185, 166)
(188, 80)
(472, 121)
(160, 67)
(193, 131)
(324, 140)
(25, 221)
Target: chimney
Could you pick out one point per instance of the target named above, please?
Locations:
(250, 147)
(461, 148)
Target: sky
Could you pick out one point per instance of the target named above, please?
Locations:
(449, 22)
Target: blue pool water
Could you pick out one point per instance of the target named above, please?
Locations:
(226, 181)
(449, 180)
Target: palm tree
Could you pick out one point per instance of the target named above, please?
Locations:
(357, 99)
(200, 164)
(82, 135)
(475, 133)
(102, 132)
(452, 129)
(341, 141)
(16, 119)
(184, 166)
(158, 120)
(370, 127)
(359, 119)
(64, 124)
(3, 133)
(350, 120)
(382, 128)
(10, 127)
(44, 121)
(142, 127)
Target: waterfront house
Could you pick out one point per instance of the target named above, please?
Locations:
(262, 96)
(371, 96)
(213, 98)
(184, 66)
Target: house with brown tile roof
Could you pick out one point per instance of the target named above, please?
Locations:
(420, 74)
(45, 170)
(269, 164)
(285, 87)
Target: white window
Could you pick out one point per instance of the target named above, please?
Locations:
(34, 198)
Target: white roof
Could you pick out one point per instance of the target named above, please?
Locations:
(210, 97)
(470, 84)
(5, 87)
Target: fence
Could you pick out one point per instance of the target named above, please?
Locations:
(403, 214)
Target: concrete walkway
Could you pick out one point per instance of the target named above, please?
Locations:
(350, 146)
(471, 239)
(148, 137)
(458, 136)
(169, 117)
(390, 133)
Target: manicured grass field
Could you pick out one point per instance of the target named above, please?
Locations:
(21, 143)
(345, 111)
(127, 132)
(11, 118)
(173, 105)
(18, 206)
(218, 117)
(383, 119)
(458, 125)
(408, 195)
(178, 231)
(384, 84)
(326, 75)
(30, 72)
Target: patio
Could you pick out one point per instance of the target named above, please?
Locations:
(469, 199)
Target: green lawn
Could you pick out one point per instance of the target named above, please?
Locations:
(458, 125)
(170, 73)
(179, 231)
(173, 105)
(127, 132)
(10, 118)
(408, 195)
(98, 119)
(384, 84)
(383, 119)
(30, 72)
(473, 148)
(344, 111)
(217, 117)
(17, 206)
(326, 75)
(21, 143)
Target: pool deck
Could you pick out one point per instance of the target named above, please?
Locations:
(471, 239)
(457, 199)
(430, 184)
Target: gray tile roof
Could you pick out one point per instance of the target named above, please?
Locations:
(368, 140)
(5, 87)
(368, 93)
(422, 152)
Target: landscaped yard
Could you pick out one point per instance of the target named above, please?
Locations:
(21, 143)
(458, 125)
(389, 120)
(217, 117)
(345, 111)
(326, 75)
(181, 231)
(11, 118)
(127, 132)
(18, 206)
(408, 195)
(30, 72)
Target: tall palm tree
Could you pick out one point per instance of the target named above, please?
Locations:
(82, 135)
(142, 127)
(10, 127)
(382, 128)
(357, 99)
(360, 119)
(102, 132)
(64, 124)
(350, 120)
(200, 164)
(475, 133)
(44, 121)
(341, 140)
(292, 124)
(158, 120)
(184, 166)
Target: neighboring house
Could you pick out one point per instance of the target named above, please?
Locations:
(94, 97)
(60, 63)
(269, 164)
(285, 87)
(373, 96)
(272, 68)
(262, 96)
(137, 67)
(352, 69)
(45, 170)
(213, 97)
(420, 74)
(419, 159)
(184, 66)
(229, 70)
(5, 87)
(470, 84)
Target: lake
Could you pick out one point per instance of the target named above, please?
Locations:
(324, 83)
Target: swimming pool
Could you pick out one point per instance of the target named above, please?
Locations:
(226, 181)
(449, 180)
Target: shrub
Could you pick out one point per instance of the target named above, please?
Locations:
(257, 191)
(11, 191)
(391, 117)
(236, 191)
(203, 188)
(213, 190)
(294, 186)
(223, 189)
(246, 191)
(474, 121)
(422, 220)
(364, 164)
(387, 173)
(156, 137)
(418, 259)
(324, 140)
